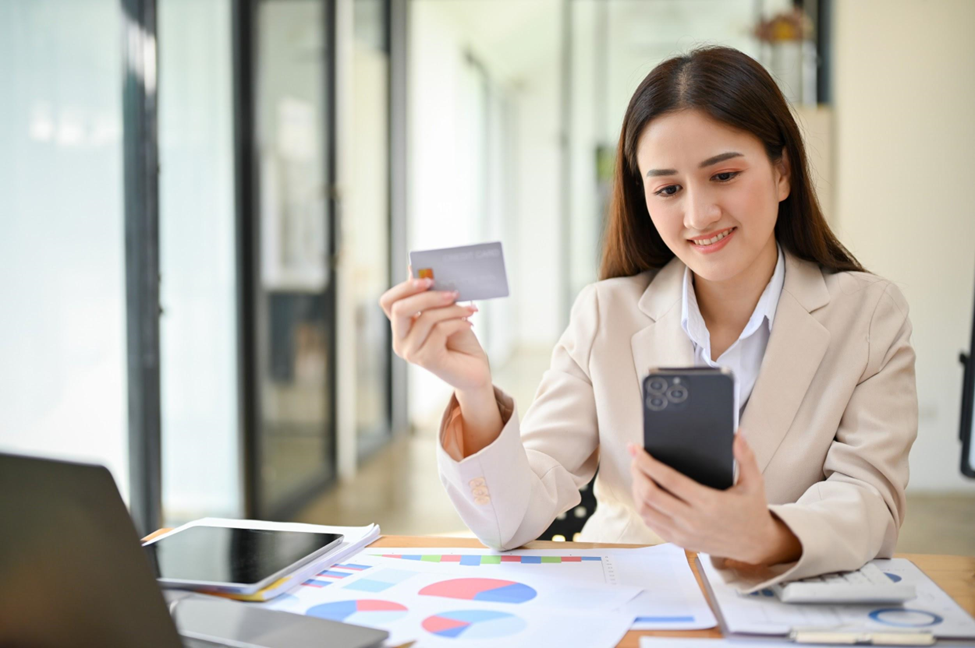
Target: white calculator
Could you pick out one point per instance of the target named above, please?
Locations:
(866, 585)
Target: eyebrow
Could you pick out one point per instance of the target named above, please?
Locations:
(653, 173)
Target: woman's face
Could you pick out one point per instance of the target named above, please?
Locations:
(704, 179)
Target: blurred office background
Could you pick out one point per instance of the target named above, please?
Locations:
(201, 202)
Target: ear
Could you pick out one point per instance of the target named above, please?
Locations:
(784, 175)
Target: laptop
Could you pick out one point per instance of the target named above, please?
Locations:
(73, 573)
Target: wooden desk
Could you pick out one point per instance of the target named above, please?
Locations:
(954, 574)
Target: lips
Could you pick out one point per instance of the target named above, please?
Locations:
(714, 243)
(705, 241)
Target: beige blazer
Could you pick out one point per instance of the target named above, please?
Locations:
(831, 418)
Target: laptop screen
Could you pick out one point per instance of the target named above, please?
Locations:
(72, 572)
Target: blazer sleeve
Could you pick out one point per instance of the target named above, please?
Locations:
(512, 490)
(854, 515)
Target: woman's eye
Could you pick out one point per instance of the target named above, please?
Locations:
(726, 176)
(670, 190)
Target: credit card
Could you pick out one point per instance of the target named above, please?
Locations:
(476, 271)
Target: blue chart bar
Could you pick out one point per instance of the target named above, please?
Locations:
(664, 619)
(331, 573)
(334, 573)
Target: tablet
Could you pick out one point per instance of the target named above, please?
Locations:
(239, 561)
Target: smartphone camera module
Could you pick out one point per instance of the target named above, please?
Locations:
(677, 394)
(657, 386)
(656, 402)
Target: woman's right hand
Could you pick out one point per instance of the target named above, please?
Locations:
(432, 331)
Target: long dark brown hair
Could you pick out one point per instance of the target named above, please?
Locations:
(734, 89)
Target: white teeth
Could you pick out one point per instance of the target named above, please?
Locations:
(712, 241)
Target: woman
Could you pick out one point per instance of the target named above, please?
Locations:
(716, 254)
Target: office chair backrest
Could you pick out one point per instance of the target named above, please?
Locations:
(570, 523)
(72, 569)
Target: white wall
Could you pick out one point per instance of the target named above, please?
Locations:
(904, 91)
(62, 287)
(539, 303)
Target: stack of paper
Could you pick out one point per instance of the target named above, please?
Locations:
(459, 597)
(761, 613)
(354, 539)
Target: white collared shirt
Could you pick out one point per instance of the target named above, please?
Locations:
(744, 357)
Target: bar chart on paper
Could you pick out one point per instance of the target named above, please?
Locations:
(334, 573)
(528, 598)
(525, 604)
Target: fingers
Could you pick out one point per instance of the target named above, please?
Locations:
(422, 326)
(673, 481)
(437, 340)
(399, 291)
(749, 475)
(404, 310)
(662, 525)
(646, 492)
(443, 330)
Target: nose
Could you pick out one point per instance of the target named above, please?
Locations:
(701, 212)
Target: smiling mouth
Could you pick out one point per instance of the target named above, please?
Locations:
(714, 239)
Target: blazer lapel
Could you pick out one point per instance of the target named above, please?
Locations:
(796, 347)
(662, 343)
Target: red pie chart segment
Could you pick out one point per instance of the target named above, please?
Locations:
(443, 625)
(367, 612)
(474, 624)
(481, 589)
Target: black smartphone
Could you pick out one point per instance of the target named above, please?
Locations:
(689, 422)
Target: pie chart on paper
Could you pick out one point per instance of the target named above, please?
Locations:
(474, 624)
(366, 612)
(481, 589)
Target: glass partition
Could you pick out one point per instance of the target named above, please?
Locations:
(295, 287)
(62, 262)
(198, 326)
(366, 225)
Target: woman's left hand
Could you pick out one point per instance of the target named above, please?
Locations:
(735, 524)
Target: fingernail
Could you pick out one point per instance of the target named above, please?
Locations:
(472, 308)
(631, 449)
